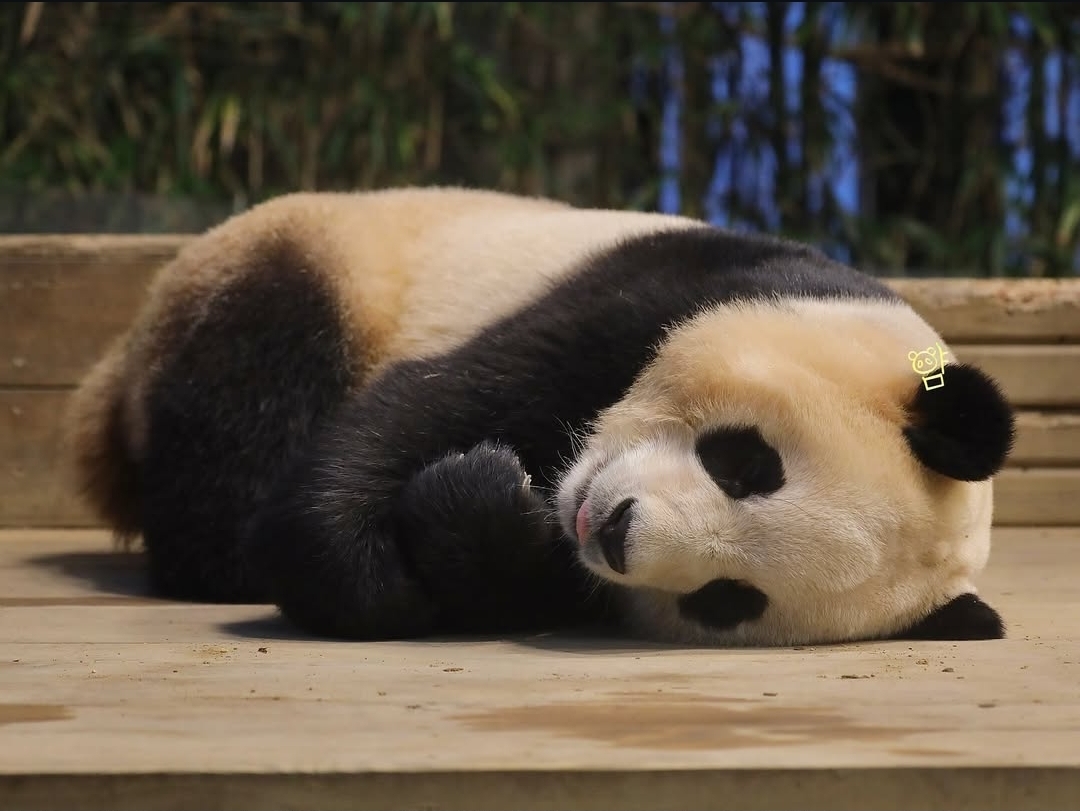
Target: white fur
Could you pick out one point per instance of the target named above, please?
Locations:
(860, 541)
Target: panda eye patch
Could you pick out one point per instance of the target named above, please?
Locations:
(740, 461)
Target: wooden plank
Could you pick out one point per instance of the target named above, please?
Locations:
(167, 705)
(743, 789)
(35, 493)
(64, 298)
(1037, 497)
(997, 310)
(67, 296)
(34, 487)
(908, 789)
(1050, 439)
(1032, 376)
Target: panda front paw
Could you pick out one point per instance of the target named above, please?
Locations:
(475, 531)
(487, 468)
(481, 499)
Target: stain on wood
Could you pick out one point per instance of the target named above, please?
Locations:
(32, 713)
(683, 721)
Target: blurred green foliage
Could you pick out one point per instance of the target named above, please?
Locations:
(212, 107)
(239, 101)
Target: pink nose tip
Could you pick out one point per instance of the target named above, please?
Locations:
(581, 524)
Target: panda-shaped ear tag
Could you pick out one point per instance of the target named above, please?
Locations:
(930, 366)
(964, 430)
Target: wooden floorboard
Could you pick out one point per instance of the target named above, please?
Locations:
(111, 699)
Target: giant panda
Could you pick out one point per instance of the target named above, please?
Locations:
(438, 411)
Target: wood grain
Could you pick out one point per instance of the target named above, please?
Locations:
(35, 485)
(64, 298)
(1050, 439)
(1042, 497)
(997, 310)
(137, 704)
(1031, 376)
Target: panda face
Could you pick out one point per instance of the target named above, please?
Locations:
(757, 485)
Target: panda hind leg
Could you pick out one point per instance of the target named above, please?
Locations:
(248, 377)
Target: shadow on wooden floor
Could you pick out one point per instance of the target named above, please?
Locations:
(119, 573)
(115, 572)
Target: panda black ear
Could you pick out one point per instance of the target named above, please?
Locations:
(963, 428)
(962, 618)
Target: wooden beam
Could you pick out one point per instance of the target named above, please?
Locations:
(35, 489)
(65, 298)
(1046, 439)
(1043, 497)
(997, 310)
(1031, 376)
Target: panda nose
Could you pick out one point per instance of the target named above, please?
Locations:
(612, 535)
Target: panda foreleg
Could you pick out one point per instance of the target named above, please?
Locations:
(481, 541)
(327, 552)
(463, 545)
(404, 520)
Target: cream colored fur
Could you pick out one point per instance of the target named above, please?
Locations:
(860, 541)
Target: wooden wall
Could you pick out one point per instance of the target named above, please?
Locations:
(63, 298)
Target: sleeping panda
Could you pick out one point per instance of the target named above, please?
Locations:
(442, 411)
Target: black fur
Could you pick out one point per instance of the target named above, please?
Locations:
(357, 541)
(723, 604)
(740, 461)
(963, 429)
(114, 482)
(962, 618)
(236, 398)
(473, 518)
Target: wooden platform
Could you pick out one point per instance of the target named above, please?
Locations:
(109, 699)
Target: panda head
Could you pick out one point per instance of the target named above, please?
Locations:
(782, 474)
